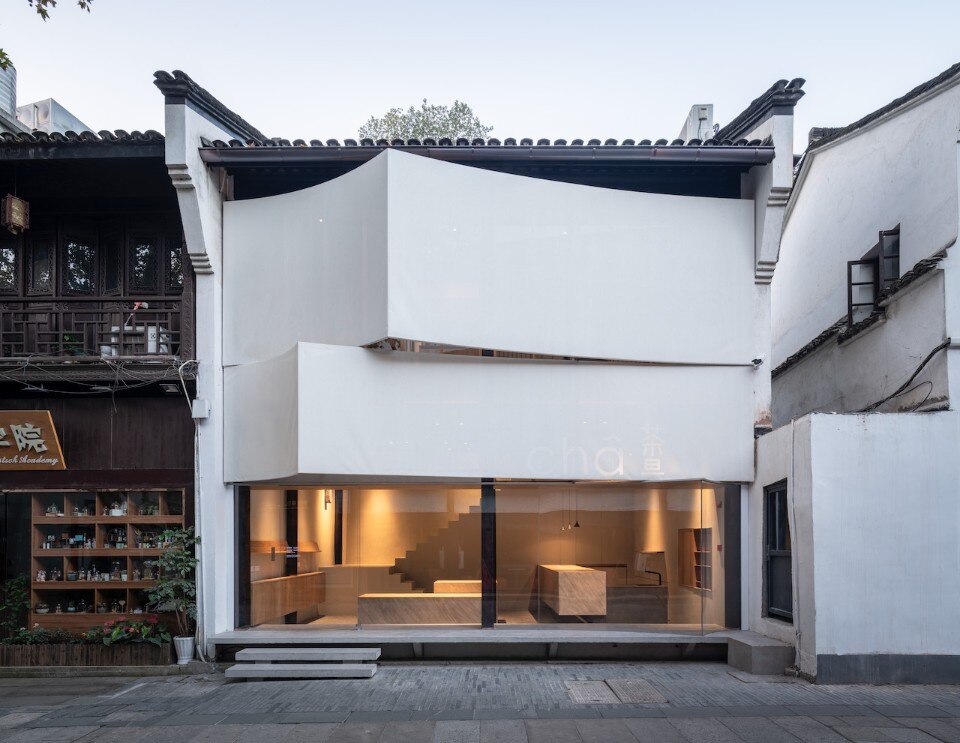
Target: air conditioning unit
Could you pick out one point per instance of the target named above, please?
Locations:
(137, 340)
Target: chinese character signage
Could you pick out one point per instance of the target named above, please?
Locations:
(28, 441)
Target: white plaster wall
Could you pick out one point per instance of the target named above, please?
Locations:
(200, 204)
(885, 516)
(902, 171)
(381, 414)
(874, 363)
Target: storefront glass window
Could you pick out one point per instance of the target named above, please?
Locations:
(580, 554)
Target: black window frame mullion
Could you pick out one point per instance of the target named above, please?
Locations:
(776, 507)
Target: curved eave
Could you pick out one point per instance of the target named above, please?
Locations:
(746, 156)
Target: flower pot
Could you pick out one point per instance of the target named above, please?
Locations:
(185, 648)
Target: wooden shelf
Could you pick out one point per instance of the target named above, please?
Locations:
(112, 520)
(103, 529)
(696, 559)
(90, 585)
(99, 552)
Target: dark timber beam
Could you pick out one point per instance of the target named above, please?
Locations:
(488, 554)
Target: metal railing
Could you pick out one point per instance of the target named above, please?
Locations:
(104, 327)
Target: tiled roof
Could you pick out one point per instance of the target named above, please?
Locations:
(179, 87)
(820, 132)
(781, 97)
(493, 142)
(840, 328)
(81, 138)
(917, 92)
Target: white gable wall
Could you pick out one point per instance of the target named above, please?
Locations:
(901, 171)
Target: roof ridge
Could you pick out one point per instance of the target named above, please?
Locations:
(179, 87)
(492, 142)
(896, 103)
(778, 98)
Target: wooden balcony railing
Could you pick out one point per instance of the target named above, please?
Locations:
(104, 327)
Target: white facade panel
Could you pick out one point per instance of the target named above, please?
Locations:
(491, 260)
(873, 520)
(306, 266)
(380, 414)
(409, 247)
(885, 514)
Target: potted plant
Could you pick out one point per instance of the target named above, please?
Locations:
(175, 589)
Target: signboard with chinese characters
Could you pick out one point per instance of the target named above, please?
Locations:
(28, 441)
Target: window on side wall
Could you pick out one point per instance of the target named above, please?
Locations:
(868, 277)
(777, 554)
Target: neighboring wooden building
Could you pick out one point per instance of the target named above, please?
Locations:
(96, 328)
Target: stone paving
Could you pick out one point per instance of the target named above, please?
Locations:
(480, 702)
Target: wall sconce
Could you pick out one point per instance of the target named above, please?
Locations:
(326, 499)
(15, 214)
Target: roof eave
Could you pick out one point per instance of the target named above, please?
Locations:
(658, 155)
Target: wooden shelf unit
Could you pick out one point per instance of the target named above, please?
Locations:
(696, 558)
(169, 509)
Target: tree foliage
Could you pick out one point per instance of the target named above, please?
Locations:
(43, 8)
(14, 604)
(428, 120)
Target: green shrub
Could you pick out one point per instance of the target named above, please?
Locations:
(124, 631)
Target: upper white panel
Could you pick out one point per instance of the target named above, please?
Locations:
(410, 247)
(306, 266)
(490, 260)
(373, 415)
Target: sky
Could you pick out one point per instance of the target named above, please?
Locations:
(318, 69)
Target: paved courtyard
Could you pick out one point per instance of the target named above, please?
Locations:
(474, 702)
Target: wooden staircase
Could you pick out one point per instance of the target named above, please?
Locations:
(304, 663)
(421, 566)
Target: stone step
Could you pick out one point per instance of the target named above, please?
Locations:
(301, 671)
(306, 655)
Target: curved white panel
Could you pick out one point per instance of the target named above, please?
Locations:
(490, 260)
(415, 248)
(306, 266)
(378, 414)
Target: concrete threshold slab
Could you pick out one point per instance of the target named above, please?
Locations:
(308, 635)
(445, 643)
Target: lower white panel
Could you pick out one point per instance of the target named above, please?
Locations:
(361, 413)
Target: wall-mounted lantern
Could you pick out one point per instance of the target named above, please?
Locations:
(15, 214)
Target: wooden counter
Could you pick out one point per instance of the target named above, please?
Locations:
(456, 586)
(573, 590)
(419, 608)
(275, 597)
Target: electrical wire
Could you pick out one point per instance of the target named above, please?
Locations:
(903, 387)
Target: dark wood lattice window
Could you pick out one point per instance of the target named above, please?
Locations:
(144, 270)
(40, 263)
(111, 250)
(79, 262)
(173, 262)
(9, 265)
